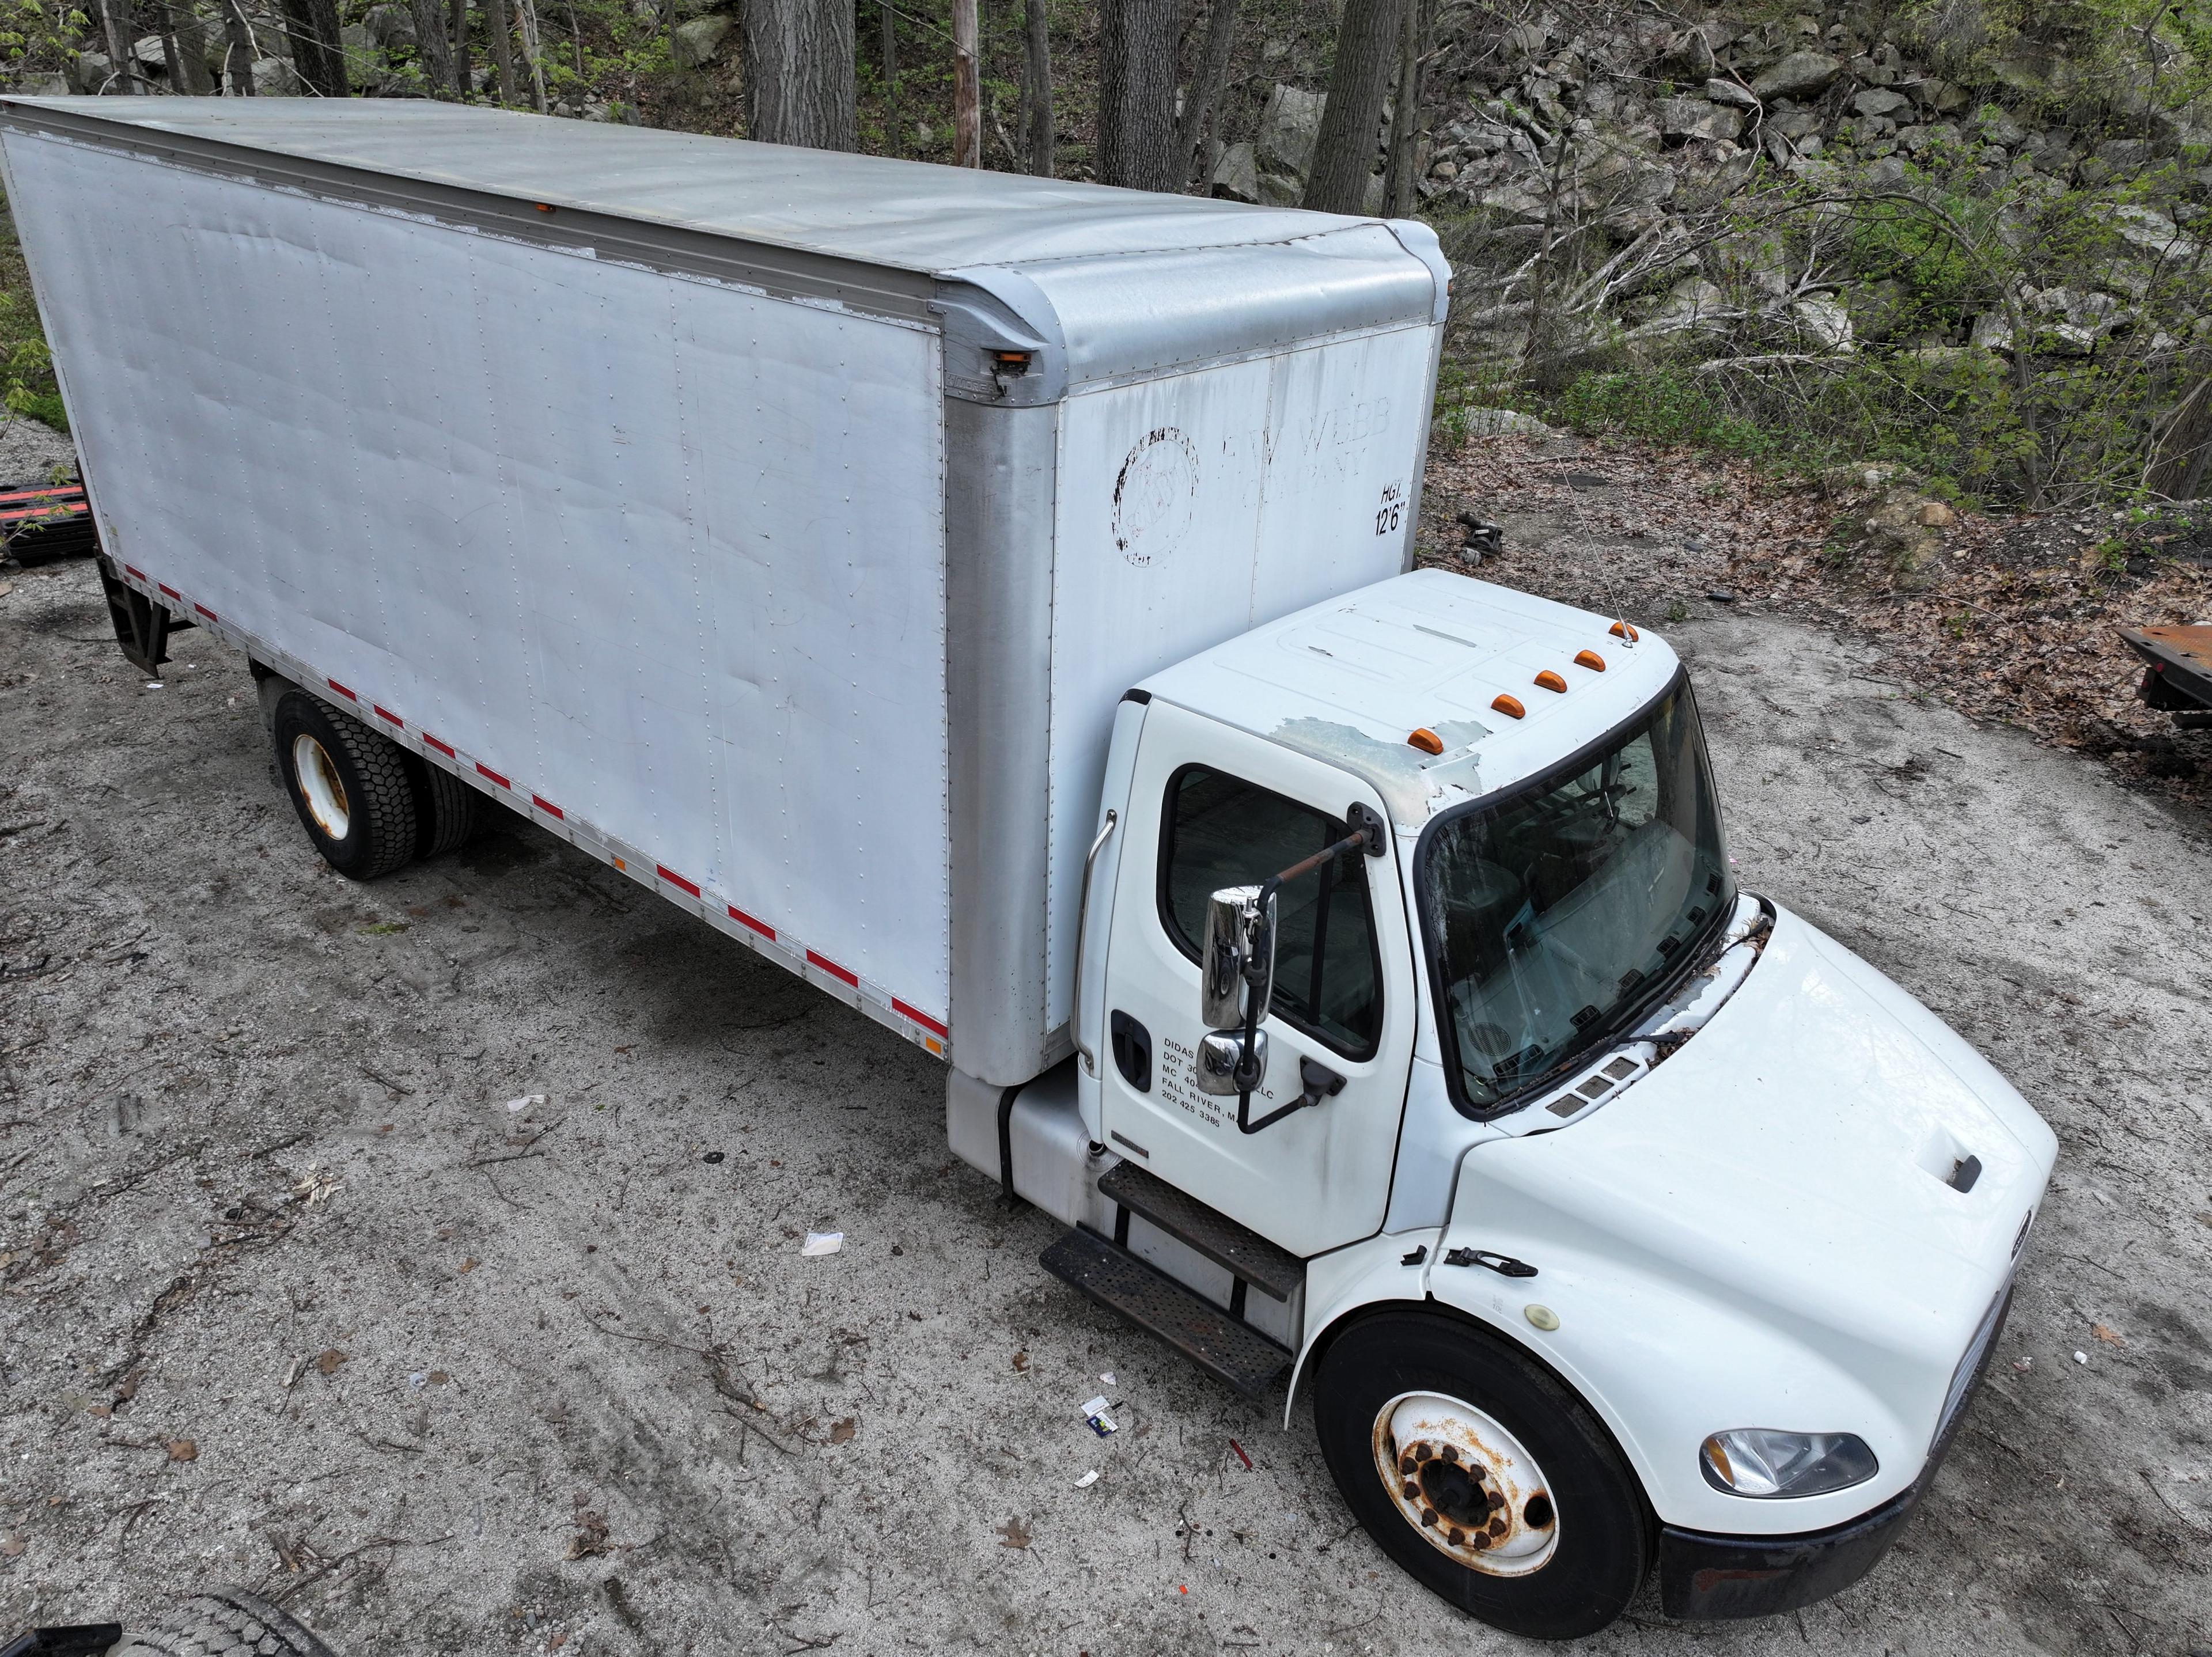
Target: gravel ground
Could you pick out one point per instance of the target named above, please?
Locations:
(294, 1299)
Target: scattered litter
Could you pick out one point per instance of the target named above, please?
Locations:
(295, 1369)
(183, 1449)
(1720, 595)
(1087, 1480)
(1013, 1534)
(328, 1362)
(1100, 1424)
(468, 1265)
(315, 1184)
(818, 1243)
(152, 684)
(2081, 1358)
(714, 1156)
(419, 1379)
(516, 1107)
(1241, 1456)
(1108, 1378)
(2106, 1334)
(1021, 1362)
(2024, 1366)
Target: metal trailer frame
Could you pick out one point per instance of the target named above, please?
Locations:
(1156, 422)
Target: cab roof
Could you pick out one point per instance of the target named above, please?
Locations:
(1349, 681)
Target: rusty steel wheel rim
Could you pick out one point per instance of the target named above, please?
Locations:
(321, 787)
(1467, 1486)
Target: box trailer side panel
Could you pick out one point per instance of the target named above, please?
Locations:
(1195, 506)
(657, 555)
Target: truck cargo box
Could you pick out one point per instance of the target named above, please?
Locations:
(781, 526)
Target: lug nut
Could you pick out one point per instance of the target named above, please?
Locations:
(1428, 1517)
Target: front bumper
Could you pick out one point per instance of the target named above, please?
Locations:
(1704, 1577)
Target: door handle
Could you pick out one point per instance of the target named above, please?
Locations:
(1133, 1050)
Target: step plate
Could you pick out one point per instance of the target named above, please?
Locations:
(1201, 1330)
(1246, 1254)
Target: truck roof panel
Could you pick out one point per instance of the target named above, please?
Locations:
(1104, 283)
(1351, 680)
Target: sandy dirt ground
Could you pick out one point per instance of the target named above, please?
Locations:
(294, 1299)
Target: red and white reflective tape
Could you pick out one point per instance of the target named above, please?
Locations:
(903, 1016)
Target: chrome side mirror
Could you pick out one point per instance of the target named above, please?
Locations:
(1218, 1054)
(1238, 961)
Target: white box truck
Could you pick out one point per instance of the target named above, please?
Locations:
(992, 599)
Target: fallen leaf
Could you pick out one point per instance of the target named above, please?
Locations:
(329, 1361)
(469, 1265)
(841, 1432)
(183, 1449)
(1013, 1534)
(439, 1377)
(2105, 1333)
(1021, 1360)
(11, 1547)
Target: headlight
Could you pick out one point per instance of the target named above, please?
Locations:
(1760, 1461)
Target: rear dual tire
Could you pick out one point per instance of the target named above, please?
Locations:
(1482, 1476)
(369, 806)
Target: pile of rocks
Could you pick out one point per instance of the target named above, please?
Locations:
(1627, 121)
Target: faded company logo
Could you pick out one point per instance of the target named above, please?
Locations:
(1156, 495)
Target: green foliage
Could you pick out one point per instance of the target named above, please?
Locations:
(36, 35)
(26, 370)
(1667, 404)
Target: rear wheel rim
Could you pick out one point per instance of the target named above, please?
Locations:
(321, 787)
(1466, 1485)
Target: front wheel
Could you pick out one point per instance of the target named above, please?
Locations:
(1486, 1480)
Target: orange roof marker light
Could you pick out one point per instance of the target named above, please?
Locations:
(1426, 740)
(1590, 659)
(1510, 707)
(1550, 681)
(1622, 630)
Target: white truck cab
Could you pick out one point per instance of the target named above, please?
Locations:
(1368, 988)
(1614, 1215)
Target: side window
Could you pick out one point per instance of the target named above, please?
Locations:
(1217, 831)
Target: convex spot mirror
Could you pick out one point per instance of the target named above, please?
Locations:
(1237, 967)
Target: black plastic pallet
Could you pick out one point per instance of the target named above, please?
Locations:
(1227, 1350)
(1243, 1253)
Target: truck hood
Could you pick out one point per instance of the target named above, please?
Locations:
(1775, 1214)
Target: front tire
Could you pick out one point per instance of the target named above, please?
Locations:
(1485, 1480)
(350, 785)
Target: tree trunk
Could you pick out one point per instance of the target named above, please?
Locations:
(533, 53)
(313, 26)
(238, 50)
(1367, 46)
(432, 54)
(1137, 49)
(1206, 90)
(967, 101)
(1398, 199)
(887, 40)
(499, 32)
(192, 49)
(462, 77)
(799, 86)
(173, 60)
(2180, 455)
(1037, 89)
(115, 24)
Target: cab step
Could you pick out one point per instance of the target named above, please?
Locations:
(1226, 1349)
(1243, 1254)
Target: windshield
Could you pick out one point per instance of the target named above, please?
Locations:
(1554, 915)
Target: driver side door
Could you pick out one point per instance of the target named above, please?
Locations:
(1209, 807)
